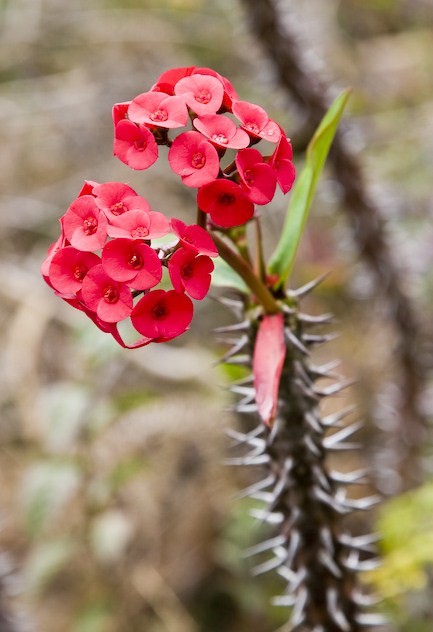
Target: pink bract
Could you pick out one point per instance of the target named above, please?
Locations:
(138, 224)
(132, 262)
(159, 110)
(256, 122)
(162, 315)
(134, 145)
(194, 158)
(222, 131)
(84, 225)
(190, 272)
(226, 203)
(109, 299)
(202, 93)
(257, 178)
(69, 267)
(116, 198)
(119, 112)
(194, 237)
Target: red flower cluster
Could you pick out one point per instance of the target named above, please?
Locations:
(104, 263)
(220, 122)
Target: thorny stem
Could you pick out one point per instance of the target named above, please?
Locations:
(307, 89)
(201, 218)
(261, 267)
(239, 265)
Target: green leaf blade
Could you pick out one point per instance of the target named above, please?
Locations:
(282, 260)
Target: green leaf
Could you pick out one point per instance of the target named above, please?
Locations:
(224, 276)
(281, 262)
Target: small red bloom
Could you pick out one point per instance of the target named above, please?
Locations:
(256, 122)
(134, 145)
(202, 93)
(158, 109)
(120, 112)
(190, 272)
(133, 262)
(116, 198)
(52, 250)
(226, 203)
(111, 300)
(222, 131)
(257, 178)
(138, 224)
(84, 225)
(162, 315)
(68, 268)
(194, 158)
(194, 237)
(281, 162)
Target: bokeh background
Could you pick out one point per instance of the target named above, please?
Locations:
(116, 511)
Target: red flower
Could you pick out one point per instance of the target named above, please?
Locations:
(133, 262)
(158, 109)
(116, 198)
(111, 300)
(256, 122)
(68, 268)
(134, 145)
(52, 250)
(194, 237)
(120, 112)
(84, 225)
(226, 203)
(190, 272)
(138, 224)
(257, 178)
(222, 131)
(194, 159)
(281, 162)
(162, 315)
(202, 93)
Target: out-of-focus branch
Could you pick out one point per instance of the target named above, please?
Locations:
(306, 88)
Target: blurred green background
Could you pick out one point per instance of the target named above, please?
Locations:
(116, 512)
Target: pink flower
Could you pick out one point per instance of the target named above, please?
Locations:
(168, 79)
(84, 225)
(202, 93)
(230, 94)
(256, 122)
(116, 198)
(134, 145)
(257, 178)
(162, 315)
(190, 272)
(69, 267)
(194, 158)
(226, 203)
(132, 262)
(194, 237)
(222, 131)
(138, 224)
(111, 300)
(281, 162)
(158, 109)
